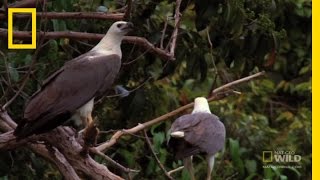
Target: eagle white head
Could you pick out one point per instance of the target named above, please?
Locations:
(120, 28)
(201, 105)
(111, 42)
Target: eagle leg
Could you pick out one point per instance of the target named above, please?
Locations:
(210, 160)
(90, 135)
(187, 162)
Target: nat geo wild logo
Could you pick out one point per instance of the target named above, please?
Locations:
(280, 156)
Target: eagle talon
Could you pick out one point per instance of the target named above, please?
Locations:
(90, 135)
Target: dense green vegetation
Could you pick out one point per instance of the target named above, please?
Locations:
(219, 41)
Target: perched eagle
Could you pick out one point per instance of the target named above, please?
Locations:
(69, 92)
(198, 133)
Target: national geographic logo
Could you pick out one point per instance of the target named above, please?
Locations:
(280, 156)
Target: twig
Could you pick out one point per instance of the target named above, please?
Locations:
(5, 5)
(127, 14)
(136, 59)
(5, 59)
(232, 176)
(73, 15)
(242, 80)
(176, 170)
(164, 32)
(27, 76)
(26, 4)
(114, 163)
(176, 27)
(155, 156)
(213, 62)
(90, 36)
(164, 117)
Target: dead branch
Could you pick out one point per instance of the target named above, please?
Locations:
(72, 15)
(7, 141)
(155, 156)
(139, 127)
(26, 77)
(114, 163)
(127, 14)
(26, 4)
(64, 152)
(90, 36)
(242, 80)
(176, 170)
(174, 36)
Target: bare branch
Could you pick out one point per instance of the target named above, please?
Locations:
(114, 163)
(174, 36)
(26, 4)
(176, 170)
(155, 156)
(58, 159)
(64, 143)
(164, 117)
(72, 15)
(26, 78)
(8, 141)
(164, 32)
(127, 14)
(242, 80)
(90, 36)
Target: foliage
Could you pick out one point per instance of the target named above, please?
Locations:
(219, 41)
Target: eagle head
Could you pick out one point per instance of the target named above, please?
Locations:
(121, 27)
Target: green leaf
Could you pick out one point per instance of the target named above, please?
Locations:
(251, 166)
(59, 25)
(235, 155)
(14, 75)
(158, 139)
(287, 115)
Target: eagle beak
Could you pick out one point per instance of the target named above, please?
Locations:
(129, 26)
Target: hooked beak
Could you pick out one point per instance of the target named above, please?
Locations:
(128, 27)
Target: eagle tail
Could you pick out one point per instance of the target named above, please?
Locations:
(22, 130)
(38, 126)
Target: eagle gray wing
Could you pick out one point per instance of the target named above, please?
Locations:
(208, 135)
(203, 132)
(76, 83)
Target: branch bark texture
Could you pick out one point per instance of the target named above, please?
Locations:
(144, 43)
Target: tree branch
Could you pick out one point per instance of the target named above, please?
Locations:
(155, 156)
(114, 163)
(26, 4)
(90, 36)
(174, 36)
(215, 96)
(8, 141)
(65, 151)
(242, 80)
(176, 170)
(72, 15)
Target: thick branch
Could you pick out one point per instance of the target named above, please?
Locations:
(164, 117)
(72, 15)
(8, 141)
(90, 36)
(65, 152)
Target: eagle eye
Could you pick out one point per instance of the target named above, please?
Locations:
(119, 25)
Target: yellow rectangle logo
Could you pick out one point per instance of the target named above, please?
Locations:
(267, 156)
(33, 12)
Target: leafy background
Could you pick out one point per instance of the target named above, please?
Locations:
(219, 41)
